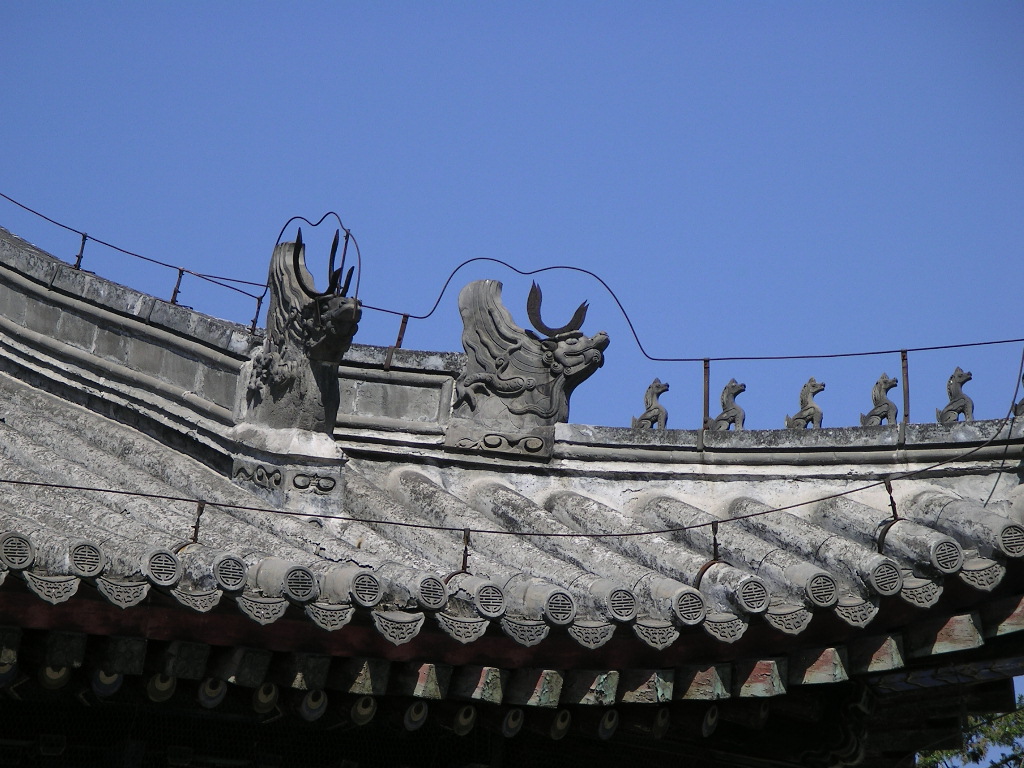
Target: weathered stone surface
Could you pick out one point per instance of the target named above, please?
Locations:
(292, 380)
(359, 676)
(655, 415)
(935, 636)
(535, 688)
(423, 681)
(479, 683)
(876, 654)
(703, 682)
(765, 677)
(515, 382)
(816, 666)
(646, 686)
(591, 687)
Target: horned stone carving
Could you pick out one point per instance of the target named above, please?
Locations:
(731, 413)
(809, 414)
(516, 385)
(655, 414)
(293, 377)
(958, 401)
(884, 407)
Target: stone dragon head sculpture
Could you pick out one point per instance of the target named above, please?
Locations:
(293, 381)
(513, 377)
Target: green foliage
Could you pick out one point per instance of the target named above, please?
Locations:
(991, 742)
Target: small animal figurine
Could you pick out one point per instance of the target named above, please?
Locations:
(655, 416)
(731, 413)
(958, 401)
(885, 409)
(809, 414)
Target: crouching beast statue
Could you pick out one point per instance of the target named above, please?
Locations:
(516, 385)
(293, 377)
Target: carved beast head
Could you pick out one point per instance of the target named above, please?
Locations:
(960, 376)
(884, 383)
(320, 325)
(734, 388)
(813, 386)
(574, 355)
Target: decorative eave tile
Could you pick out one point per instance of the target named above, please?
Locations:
(330, 616)
(727, 627)
(123, 594)
(198, 601)
(398, 627)
(855, 611)
(525, 631)
(464, 630)
(52, 589)
(788, 618)
(982, 573)
(656, 633)
(591, 634)
(262, 610)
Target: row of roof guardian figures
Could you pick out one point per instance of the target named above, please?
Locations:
(810, 414)
(515, 386)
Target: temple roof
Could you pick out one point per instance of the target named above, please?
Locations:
(402, 554)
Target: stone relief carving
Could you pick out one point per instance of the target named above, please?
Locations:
(460, 628)
(269, 478)
(318, 484)
(262, 610)
(203, 602)
(959, 403)
(809, 414)
(516, 385)
(732, 414)
(398, 627)
(524, 631)
(329, 616)
(920, 592)
(855, 612)
(657, 634)
(1018, 409)
(122, 594)
(983, 574)
(591, 634)
(791, 619)
(52, 589)
(293, 377)
(725, 627)
(884, 408)
(654, 415)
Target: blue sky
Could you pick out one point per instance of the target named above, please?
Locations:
(751, 178)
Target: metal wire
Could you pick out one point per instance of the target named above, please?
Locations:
(221, 281)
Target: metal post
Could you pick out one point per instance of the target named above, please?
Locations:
(397, 344)
(256, 317)
(706, 413)
(906, 397)
(177, 286)
(81, 251)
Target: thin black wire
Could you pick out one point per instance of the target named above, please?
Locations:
(1008, 419)
(348, 234)
(208, 278)
(629, 322)
(636, 337)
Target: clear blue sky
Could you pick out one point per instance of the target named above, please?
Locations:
(752, 178)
